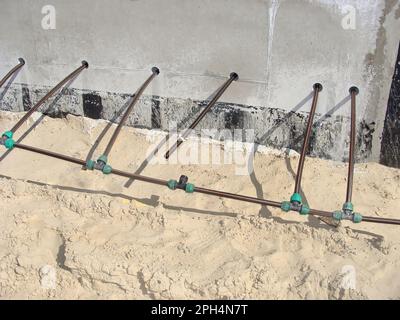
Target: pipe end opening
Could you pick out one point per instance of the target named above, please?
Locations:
(85, 63)
(354, 89)
(317, 86)
(155, 70)
(21, 61)
(234, 76)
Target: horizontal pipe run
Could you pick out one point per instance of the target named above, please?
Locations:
(139, 177)
(232, 77)
(237, 197)
(48, 95)
(155, 71)
(12, 71)
(381, 220)
(196, 189)
(49, 153)
(322, 213)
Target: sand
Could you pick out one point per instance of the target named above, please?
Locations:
(69, 233)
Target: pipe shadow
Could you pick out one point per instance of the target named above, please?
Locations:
(212, 95)
(8, 85)
(194, 210)
(159, 146)
(110, 123)
(148, 159)
(152, 201)
(59, 95)
(106, 128)
(375, 240)
(264, 211)
(200, 105)
(155, 151)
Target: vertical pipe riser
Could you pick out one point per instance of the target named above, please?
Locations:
(317, 88)
(232, 77)
(73, 74)
(12, 71)
(353, 92)
(296, 202)
(155, 72)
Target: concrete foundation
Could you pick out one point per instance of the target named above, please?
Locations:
(279, 49)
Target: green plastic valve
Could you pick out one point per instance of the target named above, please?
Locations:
(296, 197)
(285, 206)
(172, 184)
(107, 169)
(357, 218)
(90, 164)
(189, 188)
(8, 134)
(304, 210)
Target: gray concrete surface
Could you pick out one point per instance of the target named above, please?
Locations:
(279, 49)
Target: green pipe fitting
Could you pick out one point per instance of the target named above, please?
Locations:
(7, 139)
(9, 143)
(172, 184)
(106, 169)
(357, 218)
(90, 164)
(103, 167)
(337, 215)
(340, 215)
(304, 210)
(296, 197)
(8, 134)
(286, 206)
(189, 188)
(102, 158)
(348, 206)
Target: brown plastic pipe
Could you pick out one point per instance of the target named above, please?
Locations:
(353, 92)
(12, 71)
(196, 189)
(48, 95)
(155, 71)
(149, 179)
(232, 77)
(317, 88)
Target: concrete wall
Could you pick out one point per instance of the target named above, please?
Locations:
(279, 49)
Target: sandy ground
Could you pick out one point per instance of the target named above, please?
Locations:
(71, 233)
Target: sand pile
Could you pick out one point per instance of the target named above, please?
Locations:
(70, 233)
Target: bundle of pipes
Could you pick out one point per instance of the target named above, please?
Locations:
(295, 203)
